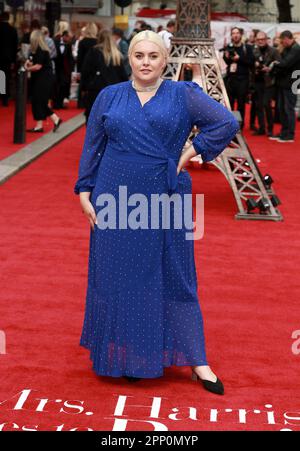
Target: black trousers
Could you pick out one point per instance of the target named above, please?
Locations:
(253, 109)
(287, 103)
(41, 91)
(264, 106)
(237, 90)
(62, 90)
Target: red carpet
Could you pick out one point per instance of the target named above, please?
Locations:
(248, 274)
(7, 114)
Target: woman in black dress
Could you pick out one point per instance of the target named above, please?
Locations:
(102, 66)
(89, 40)
(39, 65)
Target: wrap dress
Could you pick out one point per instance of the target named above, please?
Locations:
(142, 310)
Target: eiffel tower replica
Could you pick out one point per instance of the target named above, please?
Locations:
(192, 45)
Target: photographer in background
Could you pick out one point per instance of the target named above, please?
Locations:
(264, 83)
(251, 40)
(118, 36)
(168, 33)
(240, 60)
(284, 70)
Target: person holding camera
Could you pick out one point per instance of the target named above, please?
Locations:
(264, 83)
(284, 70)
(239, 59)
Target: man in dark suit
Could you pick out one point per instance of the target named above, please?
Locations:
(264, 84)
(240, 61)
(285, 70)
(8, 52)
(64, 65)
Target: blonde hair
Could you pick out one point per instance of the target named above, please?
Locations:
(148, 35)
(90, 30)
(61, 27)
(109, 48)
(37, 39)
(45, 30)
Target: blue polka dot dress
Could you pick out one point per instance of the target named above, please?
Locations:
(142, 310)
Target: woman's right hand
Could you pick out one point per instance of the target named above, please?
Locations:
(186, 155)
(27, 64)
(88, 209)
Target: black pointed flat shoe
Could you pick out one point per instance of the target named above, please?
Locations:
(214, 387)
(132, 379)
(57, 125)
(35, 130)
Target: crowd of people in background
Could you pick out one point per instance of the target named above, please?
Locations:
(263, 72)
(259, 70)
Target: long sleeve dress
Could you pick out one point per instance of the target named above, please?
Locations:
(142, 309)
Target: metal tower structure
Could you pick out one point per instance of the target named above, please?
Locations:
(192, 45)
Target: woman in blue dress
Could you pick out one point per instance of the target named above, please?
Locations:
(142, 310)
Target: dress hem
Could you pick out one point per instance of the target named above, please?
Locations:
(138, 375)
